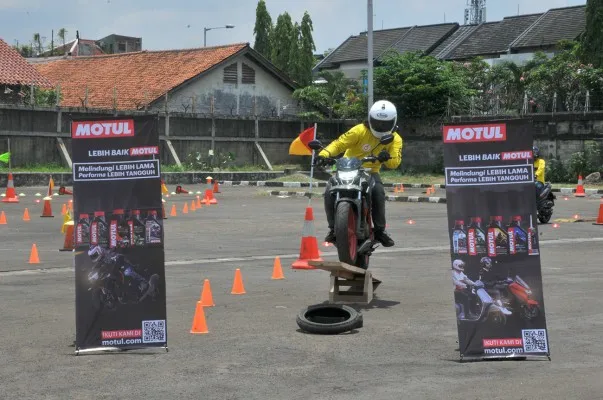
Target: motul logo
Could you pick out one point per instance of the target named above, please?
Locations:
(511, 233)
(94, 233)
(475, 133)
(530, 242)
(144, 151)
(471, 242)
(79, 236)
(516, 155)
(102, 129)
(491, 243)
(113, 233)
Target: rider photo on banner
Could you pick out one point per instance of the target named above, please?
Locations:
(493, 228)
(119, 237)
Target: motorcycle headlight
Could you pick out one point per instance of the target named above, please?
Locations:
(347, 175)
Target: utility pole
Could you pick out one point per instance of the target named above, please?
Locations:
(370, 51)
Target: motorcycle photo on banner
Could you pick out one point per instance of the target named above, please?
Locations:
(119, 238)
(493, 228)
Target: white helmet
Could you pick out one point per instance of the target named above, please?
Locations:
(382, 118)
(95, 253)
(458, 265)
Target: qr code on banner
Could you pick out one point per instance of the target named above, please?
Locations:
(534, 341)
(153, 331)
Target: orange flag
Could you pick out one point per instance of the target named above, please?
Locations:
(299, 147)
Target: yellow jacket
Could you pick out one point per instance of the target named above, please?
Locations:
(359, 141)
(539, 167)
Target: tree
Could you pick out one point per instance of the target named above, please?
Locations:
(37, 40)
(281, 41)
(263, 30)
(592, 39)
(62, 33)
(307, 48)
(421, 86)
(293, 66)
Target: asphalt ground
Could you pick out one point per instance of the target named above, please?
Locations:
(407, 348)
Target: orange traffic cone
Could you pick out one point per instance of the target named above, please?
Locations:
(600, 217)
(237, 285)
(199, 324)
(33, 256)
(47, 211)
(185, 209)
(173, 213)
(179, 190)
(198, 202)
(64, 209)
(26, 215)
(69, 243)
(401, 190)
(11, 195)
(309, 244)
(193, 207)
(207, 299)
(580, 188)
(216, 187)
(395, 188)
(209, 197)
(2, 218)
(277, 270)
(63, 191)
(163, 209)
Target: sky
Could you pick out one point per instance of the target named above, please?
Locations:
(178, 24)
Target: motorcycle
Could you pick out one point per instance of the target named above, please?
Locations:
(352, 186)
(517, 295)
(481, 307)
(110, 286)
(545, 201)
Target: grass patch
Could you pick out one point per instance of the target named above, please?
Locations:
(41, 168)
(294, 178)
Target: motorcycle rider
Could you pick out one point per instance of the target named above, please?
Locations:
(461, 283)
(492, 282)
(358, 142)
(539, 169)
(101, 257)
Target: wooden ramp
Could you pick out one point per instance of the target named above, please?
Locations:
(360, 283)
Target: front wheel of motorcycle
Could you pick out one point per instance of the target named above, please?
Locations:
(345, 232)
(530, 312)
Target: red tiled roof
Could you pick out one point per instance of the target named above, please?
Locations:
(138, 78)
(15, 70)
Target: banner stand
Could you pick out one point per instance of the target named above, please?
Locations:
(494, 240)
(114, 349)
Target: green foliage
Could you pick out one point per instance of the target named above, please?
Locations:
(307, 48)
(580, 163)
(263, 30)
(338, 97)
(281, 42)
(592, 39)
(41, 97)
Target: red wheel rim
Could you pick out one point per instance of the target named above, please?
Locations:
(352, 242)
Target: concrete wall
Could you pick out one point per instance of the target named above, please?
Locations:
(267, 97)
(559, 135)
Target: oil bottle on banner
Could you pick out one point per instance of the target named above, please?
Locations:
(137, 229)
(119, 230)
(497, 237)
(99, 230)
(518, 238)
(459, 238)
(153, 233)
(476, 237)
(82, 231)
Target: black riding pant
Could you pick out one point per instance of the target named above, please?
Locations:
(378, 205)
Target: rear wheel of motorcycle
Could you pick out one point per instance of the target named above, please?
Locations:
(345, 232)
(529, 312)
(544, 219)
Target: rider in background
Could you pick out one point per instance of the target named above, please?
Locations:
(539, 168)
(358, 142)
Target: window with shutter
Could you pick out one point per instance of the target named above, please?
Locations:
(248, 74)
(231, 74)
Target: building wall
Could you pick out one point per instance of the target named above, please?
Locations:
(268, 97)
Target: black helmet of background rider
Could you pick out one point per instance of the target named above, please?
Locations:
(536, 152)
(96, 254)
(382, 118)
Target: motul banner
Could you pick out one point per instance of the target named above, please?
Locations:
(495, 254)
(119, 254)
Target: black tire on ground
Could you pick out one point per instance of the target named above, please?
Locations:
(329, 319)
(345, 212)
(544, 219)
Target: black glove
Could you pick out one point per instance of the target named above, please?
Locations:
(383, 156)
(319, 161)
